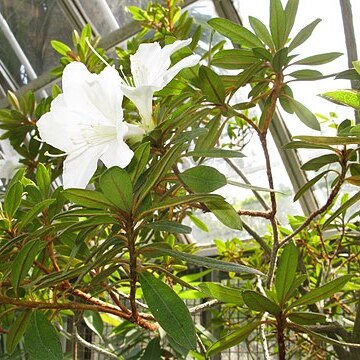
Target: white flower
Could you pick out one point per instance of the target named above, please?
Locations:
(86, 122)
(10, 160)
(150, 72)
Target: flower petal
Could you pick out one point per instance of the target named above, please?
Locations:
(189, 61)
(117, 154)
(55, 127)
(80, 167)
(147, 63)
(99, 94)
(142, 98)
(168, 50)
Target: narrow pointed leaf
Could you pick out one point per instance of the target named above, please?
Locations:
(223, 293)
(88, 198)
(320, 161)
(179, 200)
(261, 31)
(309, 185)
(169, 310)
(235, 32)
(232, 339)
(256, 301)
(215, 153)
(277, 23)
(34, 211)
(23, 262)
(319, 59)
(17, 330)
(322, 292)
(160, 249)
(233, 59)
(290, 16)
(169, 226)
(329, 140)
(286, 272)
(225, 213)
(203, 179)
(152, 350)
(160, 169)
(94, 322)
(307, 318)
(13, 197)
(352, 201)
(344, 97)
(116, 185)
(139, 161)
(303, 35)
(304, 114)
(211, 85)
(41, 339)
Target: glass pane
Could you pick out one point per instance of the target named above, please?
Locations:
(34, 24)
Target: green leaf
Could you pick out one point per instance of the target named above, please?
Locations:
(33, 212)
(304, 114)
(306, 74)
(236, 33)
(60, 47)
(23, 262)
(225, 213)
(352, 201)
(303, 35)
(197, 222)
(322, 292)
(17, 330)
(344, 97)
(189, 135)
(280, 59)
(43, 179)
(233, 339)
(13, 197)
(88, 198)
(211, 85)
(160, 169)
(233, 59)
(116, 185)
(277, 23)
(309, 184)
(169, 226)
(256, 301)
(159, 248)
(152, 350)
(169, 310)
(261, 31)
(94, 322)
(305, 145)
(318, 162)
(329, 140)
(203, 179)
(179, 200)
(286, 272)
(139, 161)
(220, 292)
(215, 153)
(307, 318)
(41, 339)
(319, 59)
(290, 16)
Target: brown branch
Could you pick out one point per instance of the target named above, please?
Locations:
(95, 305)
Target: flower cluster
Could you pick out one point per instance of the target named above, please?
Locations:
(86, 121)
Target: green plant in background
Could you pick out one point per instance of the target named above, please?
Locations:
(108, 253)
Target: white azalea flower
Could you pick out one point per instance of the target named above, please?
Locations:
(86, 122)
(150, 72)
(9, 161)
